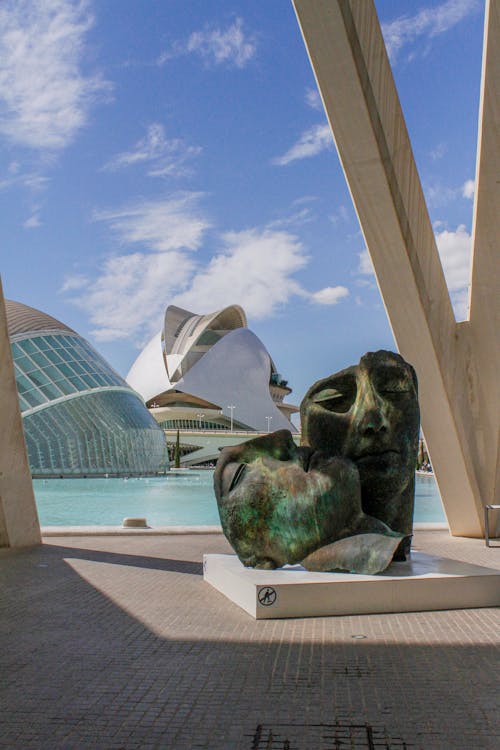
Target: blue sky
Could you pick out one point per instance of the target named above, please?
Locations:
(163, 152)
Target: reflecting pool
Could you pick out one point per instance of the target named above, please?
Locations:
(172, 500)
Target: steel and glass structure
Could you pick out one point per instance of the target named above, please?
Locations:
(79, 416)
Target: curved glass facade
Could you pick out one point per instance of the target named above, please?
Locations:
(80, 417)
(104, 432)
(56, 365)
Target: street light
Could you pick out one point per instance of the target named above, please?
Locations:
(268, 423)
(200, 417)
(231, 408)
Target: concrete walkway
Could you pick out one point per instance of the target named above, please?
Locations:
(115, 642)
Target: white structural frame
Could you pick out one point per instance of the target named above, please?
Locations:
(457, 363)
(19, 525)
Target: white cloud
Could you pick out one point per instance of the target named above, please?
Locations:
(164, 157)
(76, 281)
(342, 215)
(164, 224)
(330, 295)
(255, 270)
(44, 95)
(231, 46)
(427, 22)
(468, 189)
(438, 152)
(439, 195)
(127, 300)
(454, 250)
(31, 180)
(310, 143)
(296, 219)
(313, 99)
(33, 222)
(365, 267)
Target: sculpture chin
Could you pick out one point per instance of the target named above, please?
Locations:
(379, 460)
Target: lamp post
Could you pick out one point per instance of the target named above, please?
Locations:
(231, 408)
(268, 423)
(200, 417)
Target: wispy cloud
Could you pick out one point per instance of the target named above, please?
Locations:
(330, 295)
(33, 222)
(163, 224)
(341, 215)
(365, 266)
(438, 152)
(74, 282)
(427, 22)
(33, 181)
(295, 219)
(468, 189)
(313, 99)
(257, 267)
(127, 298)
(232, 46)
(45, 96)
(312, 142)
(455, 252)
(163, 157)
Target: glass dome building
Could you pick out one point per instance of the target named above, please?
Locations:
(80, 417)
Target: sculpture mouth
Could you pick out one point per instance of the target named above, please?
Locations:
(376, 454)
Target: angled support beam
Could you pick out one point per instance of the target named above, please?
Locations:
(458, 390)
(19, 525)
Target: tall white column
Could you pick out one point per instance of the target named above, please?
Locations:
(19, 525)
(457, 364)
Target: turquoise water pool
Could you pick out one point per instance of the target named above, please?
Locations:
(163, 501)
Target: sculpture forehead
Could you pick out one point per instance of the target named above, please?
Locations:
(385, 364)
(380, 366)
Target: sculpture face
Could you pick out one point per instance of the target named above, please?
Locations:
(368, 414)
(344, 499)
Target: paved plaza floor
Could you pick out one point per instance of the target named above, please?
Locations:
(116, 642)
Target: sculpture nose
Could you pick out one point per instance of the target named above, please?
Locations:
(373, 419)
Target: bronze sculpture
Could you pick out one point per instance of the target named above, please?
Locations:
(343, 500)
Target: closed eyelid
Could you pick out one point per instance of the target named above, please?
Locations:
(327, 394)
(396, 386)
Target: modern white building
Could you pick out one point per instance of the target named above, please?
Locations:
(206, 374)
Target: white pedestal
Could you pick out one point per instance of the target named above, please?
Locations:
(423, 583)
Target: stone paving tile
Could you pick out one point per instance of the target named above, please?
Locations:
(116, 643)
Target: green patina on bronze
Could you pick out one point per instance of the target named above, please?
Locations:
(352, 477)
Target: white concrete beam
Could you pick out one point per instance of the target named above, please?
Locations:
(353, 73)
(484, 312)
(19, 525)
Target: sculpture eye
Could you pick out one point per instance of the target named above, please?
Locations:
(395, 387)
(337, 400)
(238, 475)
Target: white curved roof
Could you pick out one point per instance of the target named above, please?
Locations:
(214, 358)
(187, 336)
(148, 375)
(236, 371)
